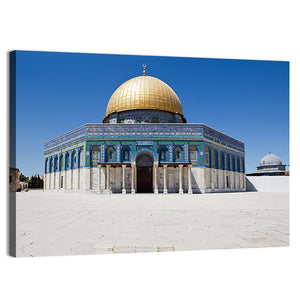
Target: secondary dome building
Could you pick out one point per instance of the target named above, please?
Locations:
(270, 165)
(144, 145)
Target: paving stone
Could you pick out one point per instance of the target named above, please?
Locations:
(74, 223)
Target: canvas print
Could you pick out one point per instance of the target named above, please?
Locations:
(128, 153)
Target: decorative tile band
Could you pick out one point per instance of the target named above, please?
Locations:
(149, 132)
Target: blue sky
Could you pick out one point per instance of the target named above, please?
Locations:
(57, 92)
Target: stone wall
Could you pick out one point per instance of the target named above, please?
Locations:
(222, 181)
(268, 183)
(203, 180)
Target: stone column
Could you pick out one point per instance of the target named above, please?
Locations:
(49, 176)
(155, 178)
(180, 179)
(99, 179)
(54, 177)
(77, 170)
(59, 176)
(212, 178)
(190, 191)
(78, 177)
(165, 179)
(73, 174)
(108, 179)
(65, 179)
(133, 178)
(71, 171)
(123, 179)
(233, 180)
(59, 180)
(103, 179)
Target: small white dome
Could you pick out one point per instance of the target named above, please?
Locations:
(270, 159)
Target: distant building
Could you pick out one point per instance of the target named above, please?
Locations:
(270, 165)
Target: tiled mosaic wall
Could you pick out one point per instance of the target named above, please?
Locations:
(91, 144)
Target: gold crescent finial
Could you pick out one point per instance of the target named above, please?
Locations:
(144, 69)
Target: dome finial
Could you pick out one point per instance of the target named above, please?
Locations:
(144, 69)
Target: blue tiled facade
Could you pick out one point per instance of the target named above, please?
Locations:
(174, 143)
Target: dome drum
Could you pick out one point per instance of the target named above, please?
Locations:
(143, 116)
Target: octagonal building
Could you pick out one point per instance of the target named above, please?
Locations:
(144, 145)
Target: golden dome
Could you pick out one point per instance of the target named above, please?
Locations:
(144, 92)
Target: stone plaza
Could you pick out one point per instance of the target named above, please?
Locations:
(75, 223)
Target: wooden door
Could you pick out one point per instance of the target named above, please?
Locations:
(144, 180)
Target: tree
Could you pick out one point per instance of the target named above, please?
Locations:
(35, 182)
(23, 178)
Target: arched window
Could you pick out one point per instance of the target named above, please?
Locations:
(162, 153)
(110, 154)
(193, 153)
(222, 161)
(154, 119)
(207, 158)
(56, 164)
(238, 164)
(226, 161)
(178, 154)
(61, 162)
(215, 158)
(81, 158)
(46, 166)
(232, 163)
(74, 160)
(95, 154)
(51, 165)
(67, 164)
(126, 154)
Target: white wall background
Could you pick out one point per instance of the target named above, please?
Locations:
(268, 183)
(257, 29)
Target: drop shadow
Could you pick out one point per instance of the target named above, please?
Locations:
(11, 150)
(250, 186)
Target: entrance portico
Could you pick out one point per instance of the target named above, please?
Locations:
(145, 176)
